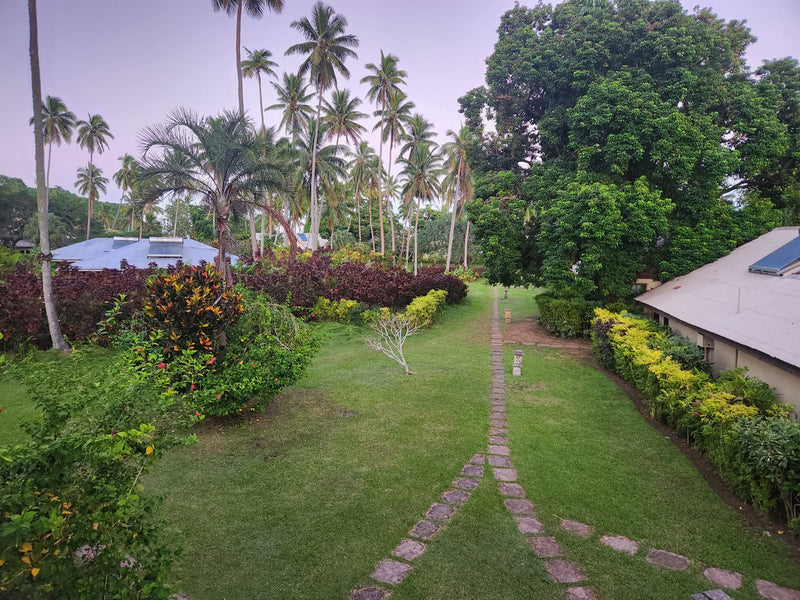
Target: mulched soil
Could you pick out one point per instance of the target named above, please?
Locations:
(528, 332)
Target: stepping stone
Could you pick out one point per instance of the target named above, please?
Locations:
(621, 544)
(455, 496)
(580, 593)
(669, 560)
(519, 506)
(529, 525)
(723, 578)
(505, 474)
(498, 439)
(409, 549)
(465, 483)
(512, 489)
(440, 512)
(472, 471)
(391, 571)
(545, 547)
(770, 591)
(498, 430)
(424, 530)
(476, 460)
(499, 461)
(370, 593)
(502, 450)
(711, 595)
(576, 527)
(499, 408)
(562, 571)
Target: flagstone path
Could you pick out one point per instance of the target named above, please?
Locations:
(497, 460)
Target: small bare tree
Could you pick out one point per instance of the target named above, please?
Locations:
(393, 331)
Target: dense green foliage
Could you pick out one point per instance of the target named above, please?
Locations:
(646, 144)
(565, 317)
(737, 420)
(68, 214)
(74, 523)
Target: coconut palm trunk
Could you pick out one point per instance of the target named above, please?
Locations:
(56, 337)
(466, 243)
(416, 231)
(450, 238)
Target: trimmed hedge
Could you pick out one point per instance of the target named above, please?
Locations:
(736, 420)
(565, 317)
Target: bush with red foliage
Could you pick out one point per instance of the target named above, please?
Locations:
(302, 282)
(82, 299)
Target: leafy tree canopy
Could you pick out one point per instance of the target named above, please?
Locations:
(630, 123)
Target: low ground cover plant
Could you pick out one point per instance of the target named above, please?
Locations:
(736, 420)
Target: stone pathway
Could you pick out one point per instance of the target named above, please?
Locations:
(498, 460)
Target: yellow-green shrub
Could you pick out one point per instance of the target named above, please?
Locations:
(340, 311)
(423, 310)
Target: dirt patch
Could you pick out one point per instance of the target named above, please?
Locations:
(528, 332)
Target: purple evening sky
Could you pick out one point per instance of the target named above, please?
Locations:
(132, 62)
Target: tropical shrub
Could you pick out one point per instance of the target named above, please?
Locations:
(340, 311)
(737, 420)
(190, 308)
(74, 522)
(423, 310)
(565, 317)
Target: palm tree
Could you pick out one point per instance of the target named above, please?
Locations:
(125, 179)
(258, 63)
(58, 123)
(223, 160)
(93, 135)
(292, 100)
(342, 115)
(254, 8)
(459, 175)
(90, 182)
(56, 337)
(384, 81)
(329, 165)
(360, 167)
(326, 47)
(394, 119)
(421, 171)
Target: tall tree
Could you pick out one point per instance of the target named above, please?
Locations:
(635, 95)
(225, 162)
(342, 116)
(293, 101)
(91, 181)
(384, 81)
(359, 168)
(327, 47)
(125, 179)
(56, 337)
(459, 174)
(421, 171)
(93, 135)
(254, 8)
(58, 123)
(258, 63)
(395, 120)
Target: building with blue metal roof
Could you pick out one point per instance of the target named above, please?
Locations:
(97, 254)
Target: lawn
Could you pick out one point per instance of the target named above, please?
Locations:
(304, 501)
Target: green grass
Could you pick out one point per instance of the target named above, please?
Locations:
(17, 407)
(304, 503)
(585, 453)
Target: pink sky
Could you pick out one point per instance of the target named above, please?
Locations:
(132, 62)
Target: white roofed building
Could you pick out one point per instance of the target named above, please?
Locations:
(743, 310)
(97, 254)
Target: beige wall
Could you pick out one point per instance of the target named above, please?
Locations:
(725, 356)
